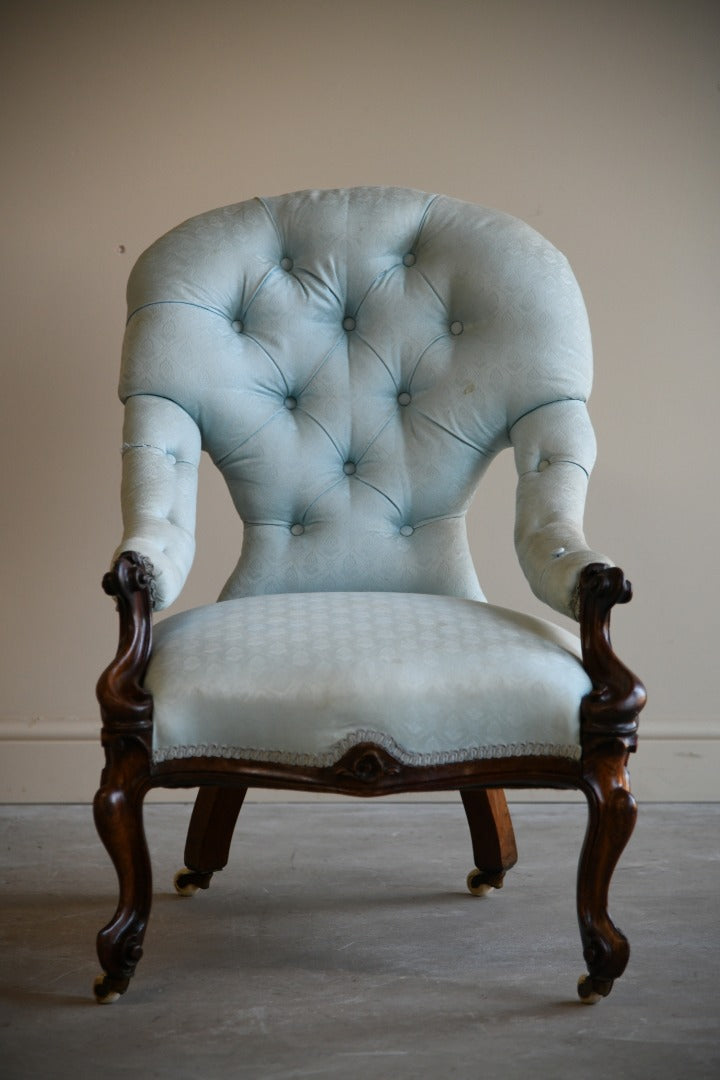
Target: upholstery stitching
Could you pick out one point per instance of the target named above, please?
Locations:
(375, 282)
(181, 303)
(555, 461)
(438, 517)
(430, 285)
(320, 366)
(282, 242)
(281, 523)
(163, 397)
(320, 495)
(126, 447)
(453, 435)
(422, 356)
(219, 462)
(423, 219)
(384, 494)
(249, 337)
(536, 408)
(261, 285)
(377, 434)
(380, 358)
(325, 431)
(275, 225)
(316, 277)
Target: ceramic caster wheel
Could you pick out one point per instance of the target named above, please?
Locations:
(591, 991)
(104, 994)
(185, 882)
(481, 884)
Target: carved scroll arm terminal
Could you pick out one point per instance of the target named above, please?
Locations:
(617, 697)
(125, 704)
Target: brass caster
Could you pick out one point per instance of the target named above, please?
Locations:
(187, 882)
(481, 883)
(591, 990)
(107, 990)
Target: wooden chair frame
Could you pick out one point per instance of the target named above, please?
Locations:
(609, 722)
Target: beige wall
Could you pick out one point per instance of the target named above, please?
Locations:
(595, 120)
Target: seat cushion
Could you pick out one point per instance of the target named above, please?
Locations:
(301, 678)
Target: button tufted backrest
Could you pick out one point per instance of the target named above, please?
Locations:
(352, 361)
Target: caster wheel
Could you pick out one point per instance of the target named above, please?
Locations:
(590, 990)
(480, 883)
(184, 883)
(104, 994)
(187, 882)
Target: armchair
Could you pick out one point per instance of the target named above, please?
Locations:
(352, 361)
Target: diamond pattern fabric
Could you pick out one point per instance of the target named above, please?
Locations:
(300, 678)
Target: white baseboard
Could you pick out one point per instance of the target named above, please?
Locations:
(59, 761)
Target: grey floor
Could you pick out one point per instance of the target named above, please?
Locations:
(340, 942)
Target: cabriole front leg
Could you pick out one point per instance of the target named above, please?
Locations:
(118, 811)
(612, 812)
(127, 738)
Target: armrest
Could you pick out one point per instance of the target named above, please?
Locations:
(126, 706)
(612, 707)
(161, 453)
(554, 454)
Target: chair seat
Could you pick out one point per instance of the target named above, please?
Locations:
(300, 678)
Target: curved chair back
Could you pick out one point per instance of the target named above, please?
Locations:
(352, 361)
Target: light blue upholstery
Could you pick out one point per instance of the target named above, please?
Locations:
(299, 678)
(352, 361)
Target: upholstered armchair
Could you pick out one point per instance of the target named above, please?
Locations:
(352, 361)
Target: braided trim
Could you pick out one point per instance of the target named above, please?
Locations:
(330, 757)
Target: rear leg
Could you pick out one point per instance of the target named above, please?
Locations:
(493, 838)
(210, 832)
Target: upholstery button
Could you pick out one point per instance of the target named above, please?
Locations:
(409, 259)
(456, 327)
(406, 530)
(237, 326)
(349, 468)
(348, 323)
(286, 263)
(543, 465)
(290, 403)
(297, 529)
(404, 398)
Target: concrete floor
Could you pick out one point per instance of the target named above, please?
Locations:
(340, 942)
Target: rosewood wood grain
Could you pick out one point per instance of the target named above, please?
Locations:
(396, 779)
(612, 707)
(216, 812)
(212, 823)
(491, 833)
(126, 711)
(609, 724)
(126, 708)
(611, 819)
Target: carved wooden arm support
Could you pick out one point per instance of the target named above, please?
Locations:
(126, 707)
(611, 708)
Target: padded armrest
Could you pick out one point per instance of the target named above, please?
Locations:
(161, 452)
(554, 455)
